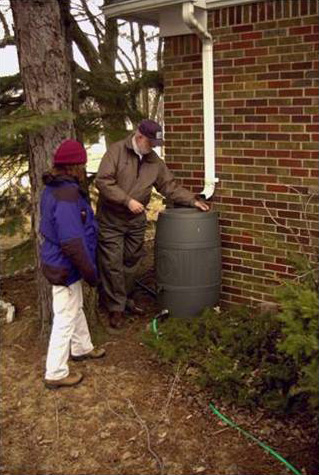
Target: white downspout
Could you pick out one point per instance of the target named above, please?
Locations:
(208, 98)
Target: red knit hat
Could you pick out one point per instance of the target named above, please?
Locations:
(70, 152)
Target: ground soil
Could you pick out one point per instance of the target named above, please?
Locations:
(130, 415)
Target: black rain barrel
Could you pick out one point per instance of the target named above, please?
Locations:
(187, 260)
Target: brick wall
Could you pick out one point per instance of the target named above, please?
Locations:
(266, 114)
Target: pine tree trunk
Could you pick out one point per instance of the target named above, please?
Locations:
(43, 52)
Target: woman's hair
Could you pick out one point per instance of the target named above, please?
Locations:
(76, 171)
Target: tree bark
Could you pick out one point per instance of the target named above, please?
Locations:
(40, 34)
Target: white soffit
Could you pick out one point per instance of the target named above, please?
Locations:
(145, 9)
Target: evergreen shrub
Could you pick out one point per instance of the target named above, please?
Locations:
(251, 360)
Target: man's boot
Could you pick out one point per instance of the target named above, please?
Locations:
(116, 319)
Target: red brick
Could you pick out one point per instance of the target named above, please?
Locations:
(242, 270)
(278, 84)
(311, 91)
(231, 245)
(244, 61)
(255, 52)
(266, 178)
(277, 188)
(222, 46)
(299, 172)
(278, 137)
(252, 248)
(301, 138)
(229, 200)
(173, 105)
(242, 44)
(267, 127)
(267, 110)
(280, 67)
(243, 161)
(300, 118)
(231, 290)
(252, 36)
(290, 92)
(275, 267)
(276, 204)
(289, 163)
(299, 30)
(300, 154)
(302, 101)
(310, 38)
(242, 29)
(304, 66)
(254, 153)
(249, 202)
(289, 214)
(243, 209)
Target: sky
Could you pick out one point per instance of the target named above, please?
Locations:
(9, 63)
(9, 58)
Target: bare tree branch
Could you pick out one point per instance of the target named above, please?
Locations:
(144, 91)
(7, 39)
(125, 68)
(7, 42)
(128, 59)
(155, 104)
(134, 44)
(4, 24)
(92, 18)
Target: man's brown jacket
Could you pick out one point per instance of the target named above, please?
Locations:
(122, 175)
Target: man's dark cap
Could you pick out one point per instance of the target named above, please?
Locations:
(152, 130)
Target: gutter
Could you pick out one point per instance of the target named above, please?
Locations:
(190, 20)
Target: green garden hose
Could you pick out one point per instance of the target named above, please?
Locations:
(235, 426)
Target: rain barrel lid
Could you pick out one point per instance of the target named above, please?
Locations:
(185, 213)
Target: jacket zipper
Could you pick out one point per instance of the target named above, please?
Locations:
(139, 164)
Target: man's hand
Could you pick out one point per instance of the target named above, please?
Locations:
(135, 206)
(201, 205)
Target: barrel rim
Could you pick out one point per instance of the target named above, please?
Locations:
(185, 213)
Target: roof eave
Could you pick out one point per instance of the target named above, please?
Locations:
(148, 9)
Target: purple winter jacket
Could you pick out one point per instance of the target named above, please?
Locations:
(69, 233)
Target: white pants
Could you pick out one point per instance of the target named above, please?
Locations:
(69, 330)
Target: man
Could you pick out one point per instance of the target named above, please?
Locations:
(126, 176)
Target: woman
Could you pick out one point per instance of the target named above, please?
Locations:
(69, 233)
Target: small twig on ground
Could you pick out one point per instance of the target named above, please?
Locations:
(221, 430)
(19, 347)
(57, 420)
(114, 412)
(144, 426)
(170, 395)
